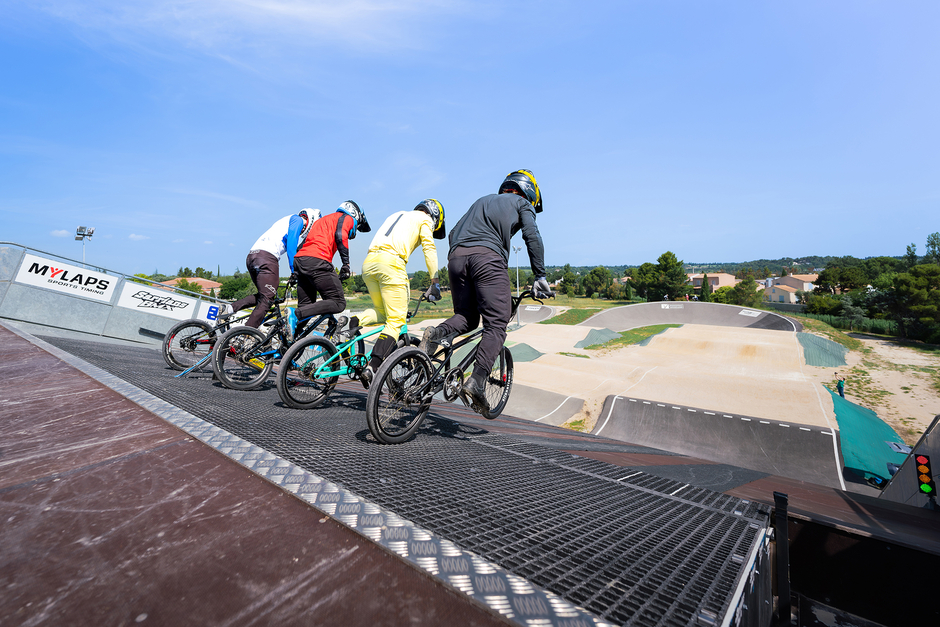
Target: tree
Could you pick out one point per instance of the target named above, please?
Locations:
(706, 291)
(722, 295)
(744, 293)
(627, 292)
(674, 280)
(189, 286)
(852, 279)
(828, 281)
(916, 306)
(933, 249)
(237, 287)
(596, 280)
(911, 256)
(852, 314)
(443, 276)
(614, 291)
(645, 277)
(421, 280)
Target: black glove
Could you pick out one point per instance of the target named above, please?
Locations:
(344, 273)
(541, 288)
(293, 278)
(433, 293)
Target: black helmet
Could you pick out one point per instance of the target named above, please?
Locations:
(524, 181)
(360, 223)
(435, 209)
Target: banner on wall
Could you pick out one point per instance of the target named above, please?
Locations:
(66, 278)
(154, 300)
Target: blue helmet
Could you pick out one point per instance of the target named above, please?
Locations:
(360, 223)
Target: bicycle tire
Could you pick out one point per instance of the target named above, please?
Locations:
(499, 384)
(295, 385)
(391, 414)
(233, 364)
(187, 343)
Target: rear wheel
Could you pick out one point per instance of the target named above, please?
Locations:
(296, 384)
(238, 360)
(396, 405)
(499, 384)
(187, 343)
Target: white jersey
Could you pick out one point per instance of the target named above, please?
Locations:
(274, 240)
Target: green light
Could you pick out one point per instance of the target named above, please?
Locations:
(926, 488)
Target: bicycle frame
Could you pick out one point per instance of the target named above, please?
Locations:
(323, 373)
(436, 381)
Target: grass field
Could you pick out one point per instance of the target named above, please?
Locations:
(634, 336)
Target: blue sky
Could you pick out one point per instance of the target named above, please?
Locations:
(722, 131)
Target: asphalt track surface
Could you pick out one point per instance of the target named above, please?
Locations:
(689, 312)
(786, 449)
(530, 312)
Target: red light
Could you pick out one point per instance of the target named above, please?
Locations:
(922, 459)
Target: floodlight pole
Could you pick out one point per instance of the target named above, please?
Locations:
(84, 233)
(517, 249)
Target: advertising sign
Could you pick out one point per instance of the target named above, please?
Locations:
(65, 278)
(209, 311)
(156, 301)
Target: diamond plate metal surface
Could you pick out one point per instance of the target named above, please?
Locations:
(541, 536)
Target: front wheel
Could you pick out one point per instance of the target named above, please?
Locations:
(187, 343)
(238, 360)
(499, 384)
(297, 384)
(399, 397)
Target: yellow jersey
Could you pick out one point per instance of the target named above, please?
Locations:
(401, 233)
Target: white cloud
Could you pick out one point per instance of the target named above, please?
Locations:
(233, 199)
(178, 241)
(231, 25)
(207, 242)
(60, 233)
(137, 238)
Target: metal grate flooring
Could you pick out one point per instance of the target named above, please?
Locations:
(629, 547)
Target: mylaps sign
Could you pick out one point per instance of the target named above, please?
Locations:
(65, 278)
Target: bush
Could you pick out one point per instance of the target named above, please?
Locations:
(823, 305)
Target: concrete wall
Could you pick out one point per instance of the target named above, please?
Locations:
(108, 313)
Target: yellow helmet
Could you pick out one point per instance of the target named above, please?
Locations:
(524, 181)
(435, 209)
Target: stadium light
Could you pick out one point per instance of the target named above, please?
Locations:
(82, 233)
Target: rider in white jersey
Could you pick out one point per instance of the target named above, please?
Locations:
(284, 237)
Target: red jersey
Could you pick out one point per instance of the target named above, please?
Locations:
(327, 236)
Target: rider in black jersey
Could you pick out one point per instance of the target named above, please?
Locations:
(477, 264)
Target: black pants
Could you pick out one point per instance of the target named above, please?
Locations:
(264, 271)
(479, 282)
(315, 275)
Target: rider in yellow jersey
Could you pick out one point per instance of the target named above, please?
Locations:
(384, 273)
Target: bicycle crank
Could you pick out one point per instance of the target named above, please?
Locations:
(453, 384)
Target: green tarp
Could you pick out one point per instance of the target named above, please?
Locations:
(818, 351)
(597, 336)
(865, 439)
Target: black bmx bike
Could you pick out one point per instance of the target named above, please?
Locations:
(244, 357)
(401, 394)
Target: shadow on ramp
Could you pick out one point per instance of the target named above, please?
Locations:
(785, 449)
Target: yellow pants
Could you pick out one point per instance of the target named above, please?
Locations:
(387, 280)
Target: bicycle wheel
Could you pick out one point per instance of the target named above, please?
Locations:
(186, 343)
(296, 384)
(499, 384)
(236, 360)
(395, 407)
